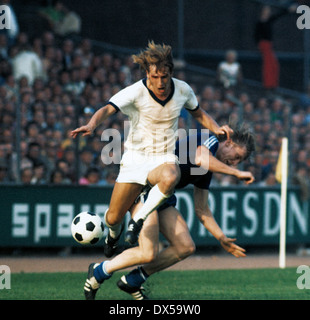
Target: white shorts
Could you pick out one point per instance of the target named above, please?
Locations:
(135, 166)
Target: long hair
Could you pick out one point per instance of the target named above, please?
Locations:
(155, 54)
(243, 136)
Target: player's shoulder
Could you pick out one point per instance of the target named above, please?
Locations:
(210, 141)
(139, 85)
(132, 89)
(182, 85)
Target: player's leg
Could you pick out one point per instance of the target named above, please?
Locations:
(164, 178)
(181, 245)
(143, 254)
(123, 196)
(175, 230)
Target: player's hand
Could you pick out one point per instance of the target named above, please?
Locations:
(246, 176)
(86, 130)
(229, 245)
(224, 130)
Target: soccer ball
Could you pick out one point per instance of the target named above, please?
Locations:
(87, 228)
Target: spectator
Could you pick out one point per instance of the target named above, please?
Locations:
(70, 24)
(39, 174)
(229, 73)
(25, 162)
(68, 50)
(61, 20)
(26, 175)
(270, 180)
(62, 165)
(34, 154)
(301, 179)
(4, 174)
(52, 15)
(91, 177)
(58, 177)
(32, 130)
(85, 52)
(69, 157)
(27, 64)
(87, 158)
(75, 85)
(263, 36)
(111, 175)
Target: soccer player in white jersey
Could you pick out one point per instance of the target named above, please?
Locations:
(153, 106)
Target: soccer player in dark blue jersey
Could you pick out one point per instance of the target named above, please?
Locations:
(199, 156)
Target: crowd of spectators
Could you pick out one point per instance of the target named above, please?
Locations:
(56, 85)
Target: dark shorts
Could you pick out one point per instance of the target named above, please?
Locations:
(170, 202)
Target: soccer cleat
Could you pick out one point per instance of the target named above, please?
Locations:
(91, 285)
(111, 244)
(136, 292)
(134, 228)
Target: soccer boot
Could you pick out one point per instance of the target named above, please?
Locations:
(91, 285)
(134, 228)
(111, 244)
(136, 292)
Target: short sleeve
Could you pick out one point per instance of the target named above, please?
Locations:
(211, 143)
(124, 99)
(191, 102)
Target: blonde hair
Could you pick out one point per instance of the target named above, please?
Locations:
(243, 136)
(155, 54)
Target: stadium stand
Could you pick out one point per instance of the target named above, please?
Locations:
(67, 80)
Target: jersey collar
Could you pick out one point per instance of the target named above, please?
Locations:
(161, 102)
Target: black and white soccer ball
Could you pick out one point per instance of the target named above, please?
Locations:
(87, 228)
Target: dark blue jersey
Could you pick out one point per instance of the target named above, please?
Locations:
(190, 172)
(186, 150)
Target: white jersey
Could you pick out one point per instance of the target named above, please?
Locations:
(154, 122)
(229, 73)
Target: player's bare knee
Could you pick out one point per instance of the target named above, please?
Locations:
(187, 250)
(191, 249)
(148, 258)
(170, 178)
(149, 255)
(112, 218)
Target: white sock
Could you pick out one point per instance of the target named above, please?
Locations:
(115, 230)
(153, 201)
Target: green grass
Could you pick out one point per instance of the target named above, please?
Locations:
(258, 284)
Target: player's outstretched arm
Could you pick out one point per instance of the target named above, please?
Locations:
(98, 117)
(246, 176)
(207, 161)
(229, 245)
(206, 217)
(209, 123)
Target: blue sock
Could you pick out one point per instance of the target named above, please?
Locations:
(100, 272)
(136, 277)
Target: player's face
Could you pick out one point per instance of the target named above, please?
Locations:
(232, 154)
(159, 81)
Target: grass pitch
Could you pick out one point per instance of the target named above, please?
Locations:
(248, 284)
